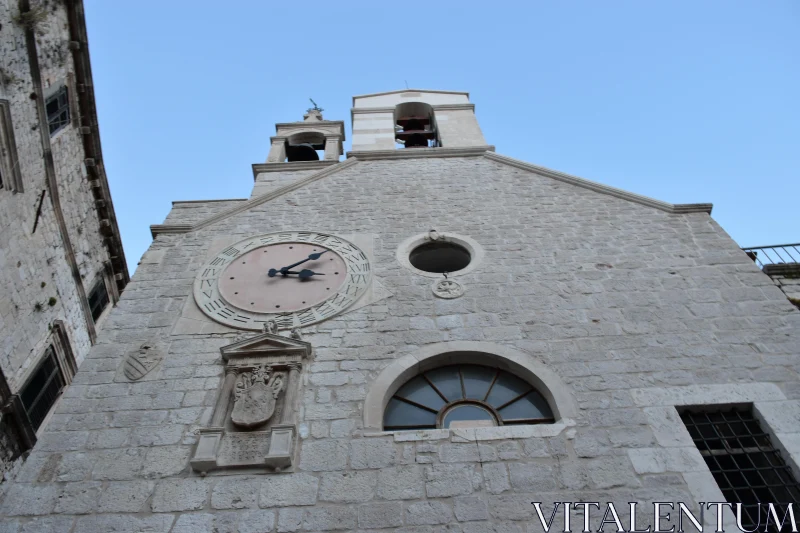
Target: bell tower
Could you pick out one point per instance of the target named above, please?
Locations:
(414, 119)
(305, 141)
(298, 148)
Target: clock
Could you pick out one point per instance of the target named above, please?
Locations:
(295, 278)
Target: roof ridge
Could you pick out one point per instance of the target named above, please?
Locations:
(157, 229)
(599, 187)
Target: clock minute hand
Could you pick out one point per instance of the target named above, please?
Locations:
(310, 258)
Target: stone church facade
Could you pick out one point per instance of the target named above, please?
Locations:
(425, 336)
(61, 261)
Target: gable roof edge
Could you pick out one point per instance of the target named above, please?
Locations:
(157, 229)
(599, 187)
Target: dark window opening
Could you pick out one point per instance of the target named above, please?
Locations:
(42, 390)
(57, 107)
(440, 257)
(465, 396)
(745, 464)
(98, 299)
(415, 126)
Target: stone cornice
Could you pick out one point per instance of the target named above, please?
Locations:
(158, 229)
(260, 168)
(598, 187)
(174, 202)
(438, 107)
(782, 269)
(408, 91)
(414, 153)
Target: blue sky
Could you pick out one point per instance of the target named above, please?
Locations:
(683, 101)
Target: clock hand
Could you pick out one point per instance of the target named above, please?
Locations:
(303, 274)
(287, 268)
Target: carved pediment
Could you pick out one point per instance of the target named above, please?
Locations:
(265, 346)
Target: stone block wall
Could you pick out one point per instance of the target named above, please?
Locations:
(40, 255)
(634, 309)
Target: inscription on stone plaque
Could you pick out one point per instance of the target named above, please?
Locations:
(243, 449)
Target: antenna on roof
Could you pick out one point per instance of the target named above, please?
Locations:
(316, 107)
(406, 83)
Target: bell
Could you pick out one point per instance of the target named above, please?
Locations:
(416, 140)
(302, 152)
(414, 125)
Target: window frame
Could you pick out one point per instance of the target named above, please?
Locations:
(497, 375)
(100, 284)
(58, 344)
(55, 94)
(718, 452)
(10, 175)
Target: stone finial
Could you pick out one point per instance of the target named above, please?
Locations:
(312, 115)
(295, 334)
(270, 326)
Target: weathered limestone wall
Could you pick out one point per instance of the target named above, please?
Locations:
(36, 283)
(787, 278)
(634, 309)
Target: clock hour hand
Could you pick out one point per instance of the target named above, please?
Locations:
(272, 272)
(303, 274)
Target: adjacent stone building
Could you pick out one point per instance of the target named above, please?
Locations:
(61, 259)
(425, 336)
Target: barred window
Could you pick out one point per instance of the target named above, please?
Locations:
(42, 389)
(465, 396)
(98, 299)
(744, 462)
(57, 107)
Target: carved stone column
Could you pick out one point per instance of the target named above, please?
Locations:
(221, 409)
(289, 415)
(277, 150)
(333, 147)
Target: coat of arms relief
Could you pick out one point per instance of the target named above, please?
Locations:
(254, 424)
(255, 396)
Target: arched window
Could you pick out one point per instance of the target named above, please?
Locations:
(305, 146)
(415, 126)
(465, 396)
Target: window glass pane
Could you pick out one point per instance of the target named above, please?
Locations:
(402, 414)
(477, 380)
(52, 107)
(530, 406)
(447, 381)
(506, 388)
(418, 390)
(467, 412)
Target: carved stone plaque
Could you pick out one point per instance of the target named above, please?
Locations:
(243, 449)
(254, 422)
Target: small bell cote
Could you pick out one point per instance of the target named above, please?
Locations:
(309, 140)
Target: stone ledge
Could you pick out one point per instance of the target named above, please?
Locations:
(707, 394)
(158, 229)
(293, 166)
(782, 269)
(415, 153)
(477, 434)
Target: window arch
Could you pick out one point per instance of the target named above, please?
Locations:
(556, 394)
(465, 396)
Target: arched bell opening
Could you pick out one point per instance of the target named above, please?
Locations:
(306, 146)
(415, 126)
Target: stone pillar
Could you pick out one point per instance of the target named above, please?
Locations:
(333, 147)
(290, 397)
(221, 409)
(277, 152)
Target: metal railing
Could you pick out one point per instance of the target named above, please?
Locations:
(774, 255)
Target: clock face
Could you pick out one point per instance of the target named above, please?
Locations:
(293, 278)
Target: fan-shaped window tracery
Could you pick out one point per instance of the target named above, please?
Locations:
(465, 396)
